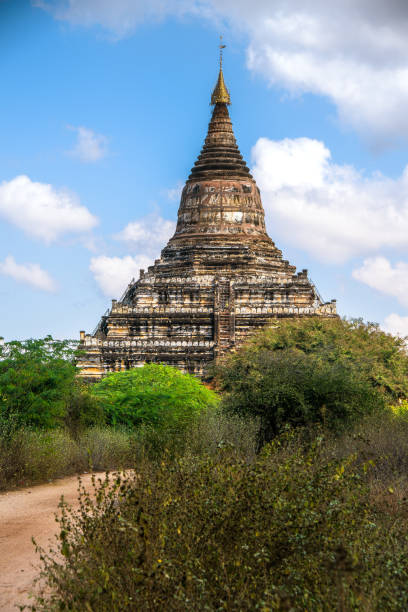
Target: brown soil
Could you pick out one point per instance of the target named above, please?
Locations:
(25, 514)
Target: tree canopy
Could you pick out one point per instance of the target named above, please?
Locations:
(36, 377)
(301, 371)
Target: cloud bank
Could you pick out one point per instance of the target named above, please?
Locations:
(119, 17)
(29, 274)
(42, 211)
(147, 236)
(396, 325)
(378, 273)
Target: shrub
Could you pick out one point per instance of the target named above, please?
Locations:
(381, 441)
(29, 456)
(105, 448)
(153, 395)
(206, 434)
(293, 530)
(82, 410)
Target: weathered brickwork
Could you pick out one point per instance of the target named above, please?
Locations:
(219, 278)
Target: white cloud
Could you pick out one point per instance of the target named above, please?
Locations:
(114, 273)
(379, 274)
(90, 147)
(42, 211)
(149, 234)
(396, 325)
(174, 194)
(28, 274)
(353, 52)
(117, 16)
(332, 211)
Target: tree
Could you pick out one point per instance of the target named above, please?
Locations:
(381, 357)
(313, 370)
(156, 395)
(36, 378)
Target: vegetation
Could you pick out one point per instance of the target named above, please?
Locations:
(155, 395)
(29, 456)
(290, 494)
(52, 425)
(305, 526)
(299, 372)
(36, 376)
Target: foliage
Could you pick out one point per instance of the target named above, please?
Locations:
(82, 409)
(290, 387)
(36, 378)
(380, 356)
(292, 530)
(400, 409)
(328, 371)
(29, 456)
(153, 395)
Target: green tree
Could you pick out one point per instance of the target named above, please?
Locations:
(290, 387)
(156, 395)
(313, 370)
(36, 379)
(381, 357)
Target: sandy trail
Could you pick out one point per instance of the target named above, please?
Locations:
(25, 514)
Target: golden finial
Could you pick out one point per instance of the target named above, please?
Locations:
(220, 93)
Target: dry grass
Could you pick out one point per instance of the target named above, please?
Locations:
(32, 456)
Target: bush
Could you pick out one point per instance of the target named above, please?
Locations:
(82, 410)
(313, 371)
(206, 434)
(293, 530)
(29, 456)
(105, 448)
(382, 442)
(154, 395)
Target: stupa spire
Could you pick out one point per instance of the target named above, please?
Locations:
(220, 95)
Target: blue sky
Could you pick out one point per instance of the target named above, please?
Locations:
(105, 107)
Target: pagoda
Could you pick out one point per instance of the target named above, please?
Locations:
(219, 278)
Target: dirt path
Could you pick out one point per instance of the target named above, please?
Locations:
(25, 514)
